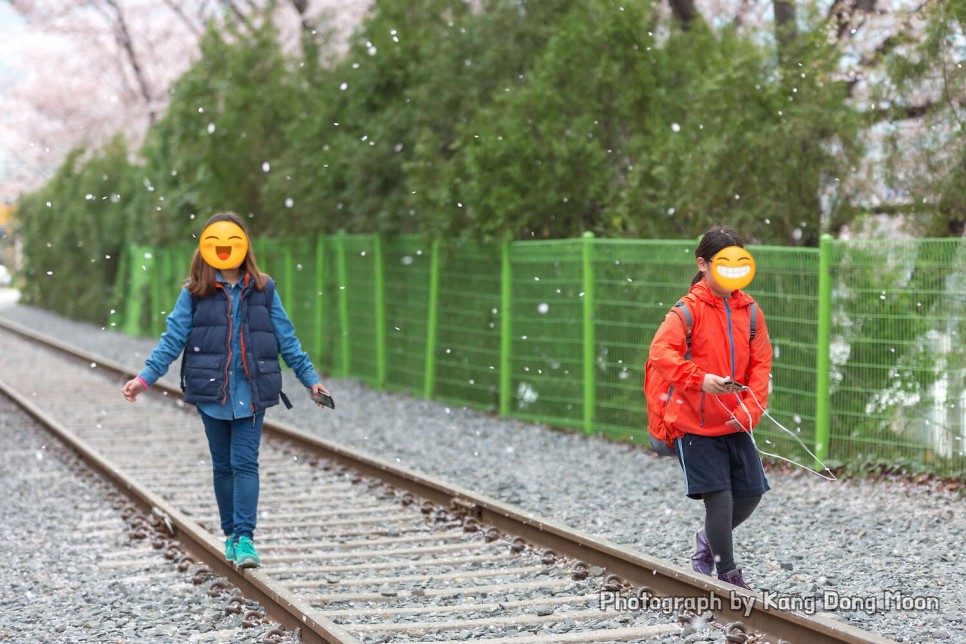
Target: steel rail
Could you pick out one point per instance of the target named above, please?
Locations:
(279, 603)
(628, 567)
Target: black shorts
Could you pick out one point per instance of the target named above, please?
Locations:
(715, 463)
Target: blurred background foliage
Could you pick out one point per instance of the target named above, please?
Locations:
(516, 119)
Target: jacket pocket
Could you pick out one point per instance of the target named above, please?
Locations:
(268, 366)
(268, 381)
(204, 375)
(202, 361)
(714, 410)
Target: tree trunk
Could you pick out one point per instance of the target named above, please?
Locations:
(302, 8)
(123, 36)
(684, 12)
(786, 27)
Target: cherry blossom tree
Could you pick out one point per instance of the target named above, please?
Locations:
(82, 72)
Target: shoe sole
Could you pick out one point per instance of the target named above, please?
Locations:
(247, 564)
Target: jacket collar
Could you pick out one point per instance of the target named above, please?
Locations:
(246, 279)
(703, 292)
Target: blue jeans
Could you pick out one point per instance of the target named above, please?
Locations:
(234, 463)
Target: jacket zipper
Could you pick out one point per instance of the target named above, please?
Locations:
(224, 389)
(731, 336)
(241, 334)
(731, 339)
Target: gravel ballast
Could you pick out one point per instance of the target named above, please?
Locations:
(864, 552)
(72, 573)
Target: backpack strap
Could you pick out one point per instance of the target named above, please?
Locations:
(688, 324)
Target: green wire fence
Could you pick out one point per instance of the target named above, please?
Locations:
(868, 336)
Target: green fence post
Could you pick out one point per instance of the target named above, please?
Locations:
(160, 283)
(134, 296)
(152, 279)
(319, 289)
(506, 328)
(822, 342)
(154, 301)
(432, 323)
(343, 303)
(590, 381)
(172, 274)
(119, 296)
(380, 306)
(289, 290)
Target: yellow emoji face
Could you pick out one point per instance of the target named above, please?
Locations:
(733, 268)
(223, 245)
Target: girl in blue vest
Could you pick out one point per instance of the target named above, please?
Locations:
(231, 327)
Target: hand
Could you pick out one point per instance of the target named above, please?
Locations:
(318, 387)
(132, 388)
(714, 384)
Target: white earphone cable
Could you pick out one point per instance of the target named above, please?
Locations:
(820, 474)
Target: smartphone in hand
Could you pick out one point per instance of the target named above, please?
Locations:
(323, 398)
(734, 387)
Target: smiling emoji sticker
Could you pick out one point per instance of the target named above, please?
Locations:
(223, 245)
(733, 268)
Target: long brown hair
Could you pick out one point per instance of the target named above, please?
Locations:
(202, 282)
(712, 242)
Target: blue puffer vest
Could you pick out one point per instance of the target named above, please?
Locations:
(204, 369)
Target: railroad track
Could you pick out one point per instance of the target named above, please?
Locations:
(357, 549)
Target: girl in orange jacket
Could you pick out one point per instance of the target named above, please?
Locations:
(716, 390)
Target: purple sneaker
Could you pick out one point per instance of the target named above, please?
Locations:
(703, 559)
(734, 577)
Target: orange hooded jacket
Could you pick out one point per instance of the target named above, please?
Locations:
(720, 333)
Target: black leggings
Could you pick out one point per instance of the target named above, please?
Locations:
(723, 513)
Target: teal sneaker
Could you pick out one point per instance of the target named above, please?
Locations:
(230, 548)
(245, 555)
